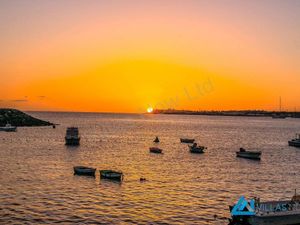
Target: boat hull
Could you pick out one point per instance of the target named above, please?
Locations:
(187, 141)
(155, 150)
(84, 171)
(72, 141)
(8, 129)
(196, 150)
(275, 220)
(111, 175)
(249, 155)
(294, 143)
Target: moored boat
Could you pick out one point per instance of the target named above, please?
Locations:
(72, 136)
(278, 116)
(156, 140)
(8, 128)
(254, 212)
(249, 154)
(155, 150)
(111, 174)
(83, 170)
(197, 148)
(295, 142)
(187, 140)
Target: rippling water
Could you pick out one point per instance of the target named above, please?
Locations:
(37, 184)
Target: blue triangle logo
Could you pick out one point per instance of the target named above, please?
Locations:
(243, 207)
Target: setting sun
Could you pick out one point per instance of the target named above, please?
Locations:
(150, 110)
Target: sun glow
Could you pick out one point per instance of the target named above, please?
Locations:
(150, 110)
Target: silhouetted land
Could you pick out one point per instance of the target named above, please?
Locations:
(20, 119)
(253, 113)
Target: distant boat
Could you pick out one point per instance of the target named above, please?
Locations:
(82, 170)
(196, 149)
(72, 136)
(249, 154)
(295, 142)
(279, 115)
(8, 128)
(254, 212)
(155, 150)
(156, 140)
(187, 140)
(111, 174)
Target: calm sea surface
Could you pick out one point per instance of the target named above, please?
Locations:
(37, 184)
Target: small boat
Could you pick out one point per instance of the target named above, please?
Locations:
(155, 150)
(295, 142)
(254, 212)
(196, 148)
(143, 179)
(82, 170)
(248, 154)
(278, 116)
(187, 140)
(72, 136)
(8, 128)
(156, 140)
(112, 175)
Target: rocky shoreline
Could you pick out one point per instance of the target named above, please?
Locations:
(20, 119)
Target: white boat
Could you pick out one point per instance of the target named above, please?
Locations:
(248, 154)
(8, 128)
(254, 212)
(295, 142)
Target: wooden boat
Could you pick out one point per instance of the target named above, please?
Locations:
(197, 149)
(82, 170)
(111, 174)
(187, 140)
(156, 140)
(8, 128)
(254, 212)
(295, 142)
(72, 136)
(249, 154)
(155, 150)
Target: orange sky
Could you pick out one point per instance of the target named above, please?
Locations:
(126, 56)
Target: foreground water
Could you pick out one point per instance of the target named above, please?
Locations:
(37, 184)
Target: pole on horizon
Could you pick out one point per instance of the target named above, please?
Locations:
(280, 107)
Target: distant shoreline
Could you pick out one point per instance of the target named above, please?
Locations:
(248, 113)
